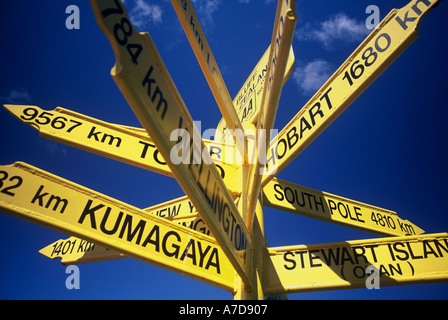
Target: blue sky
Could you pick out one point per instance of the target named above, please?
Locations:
(387, 149)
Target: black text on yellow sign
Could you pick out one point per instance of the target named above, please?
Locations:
(328, 207)
(343, 265)
(394, 34)
(75, 250)
(125, 144)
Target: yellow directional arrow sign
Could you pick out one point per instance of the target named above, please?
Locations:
(40, 197)
(126, 144)
(75, 250)
(147, 86)
(93, 135)
(395, 33)
(209, 66)
(248, 100)
(345, 265)
(328, 207)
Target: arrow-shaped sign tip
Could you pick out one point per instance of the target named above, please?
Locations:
(11, 108)
(48, 250)
(25, 113)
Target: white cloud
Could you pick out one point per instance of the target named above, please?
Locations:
(144, 13)
(204, 10)
(312, 76)
(16, 96)
(337, 28)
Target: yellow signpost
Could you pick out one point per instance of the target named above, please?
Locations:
(126, 144)
(215, 233)
(392, 36)
(75, 250)
(147, 86)
(40, 197)
(328, 207)
(344, 265)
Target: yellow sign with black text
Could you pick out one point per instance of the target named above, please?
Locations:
(75, 250)
(215, 233)
(345, 265)
(392, 36)
(328, 207)
(126, 144)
